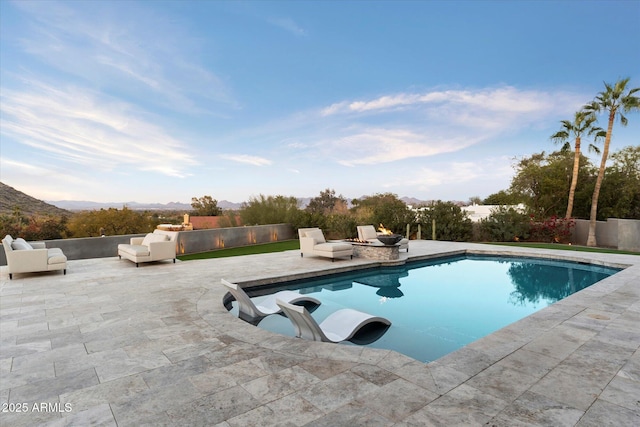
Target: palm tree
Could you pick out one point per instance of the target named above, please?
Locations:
(616, 99)
(582, 125)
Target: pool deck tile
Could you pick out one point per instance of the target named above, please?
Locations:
(154, 345)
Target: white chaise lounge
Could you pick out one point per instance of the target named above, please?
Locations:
(268, 306)
(339, 326)
(31, 257)
(369, 233)
(312, 242)
(156, 246)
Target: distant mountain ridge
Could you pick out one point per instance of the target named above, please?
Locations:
(81, 205)
(84, 205)
(10, 199)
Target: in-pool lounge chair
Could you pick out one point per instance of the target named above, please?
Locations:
(250, 311)
(339, 326)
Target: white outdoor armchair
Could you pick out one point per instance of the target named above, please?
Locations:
(156, 246)
(30, 257)
(312, 242)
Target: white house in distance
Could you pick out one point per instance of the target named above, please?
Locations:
(478, 212)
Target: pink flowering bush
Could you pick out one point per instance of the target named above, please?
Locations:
(552, 230)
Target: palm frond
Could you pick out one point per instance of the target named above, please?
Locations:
(560, 136)
(593, 149)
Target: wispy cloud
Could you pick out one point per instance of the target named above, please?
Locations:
(401, 126)
(468, 176)
(289, 25)
(125, 48)
(380, 145)
(81, 127)
(383, 103)
(501, 99)
(244, 158)
(27, 168)
(57, 181)
(410, 125)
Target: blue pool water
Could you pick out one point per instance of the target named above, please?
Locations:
(439, 306)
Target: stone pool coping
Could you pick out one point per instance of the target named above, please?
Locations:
(155, 345)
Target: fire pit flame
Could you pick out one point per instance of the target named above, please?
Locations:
(384, 231)
(387, 237)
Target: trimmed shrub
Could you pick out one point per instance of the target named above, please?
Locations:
(452, 223)
(505, 224)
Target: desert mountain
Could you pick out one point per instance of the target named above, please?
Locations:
(10, 199)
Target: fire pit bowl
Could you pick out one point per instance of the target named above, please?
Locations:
(389, 239)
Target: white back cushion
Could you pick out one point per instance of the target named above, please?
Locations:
(317, 235)
(151, 237)
(368, 232)
(21, 245)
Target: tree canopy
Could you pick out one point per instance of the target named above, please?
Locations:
(620, 191)
(110, 222)
(205, 206)
(326, 203)
(270, 210)
(383, 208)
(542, 182)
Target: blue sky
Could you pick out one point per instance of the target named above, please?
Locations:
(164, 101)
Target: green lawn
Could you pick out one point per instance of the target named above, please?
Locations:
(264, 248)
(289, 245)
(558, 246)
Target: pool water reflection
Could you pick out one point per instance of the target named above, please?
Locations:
(439, 306)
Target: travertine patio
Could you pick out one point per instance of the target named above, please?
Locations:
(126, 346)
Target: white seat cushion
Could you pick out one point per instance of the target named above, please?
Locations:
(135, 250)
(56, 257)
(333, 247)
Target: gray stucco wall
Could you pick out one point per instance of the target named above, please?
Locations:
(190, 242)
(623, 234)
(629, 235)
(187, 242)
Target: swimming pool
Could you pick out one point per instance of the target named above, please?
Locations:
(441, 305)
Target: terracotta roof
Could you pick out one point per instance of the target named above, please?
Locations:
(204, 222)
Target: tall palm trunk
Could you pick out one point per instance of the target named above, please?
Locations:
(574, 179)
(591, 239)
